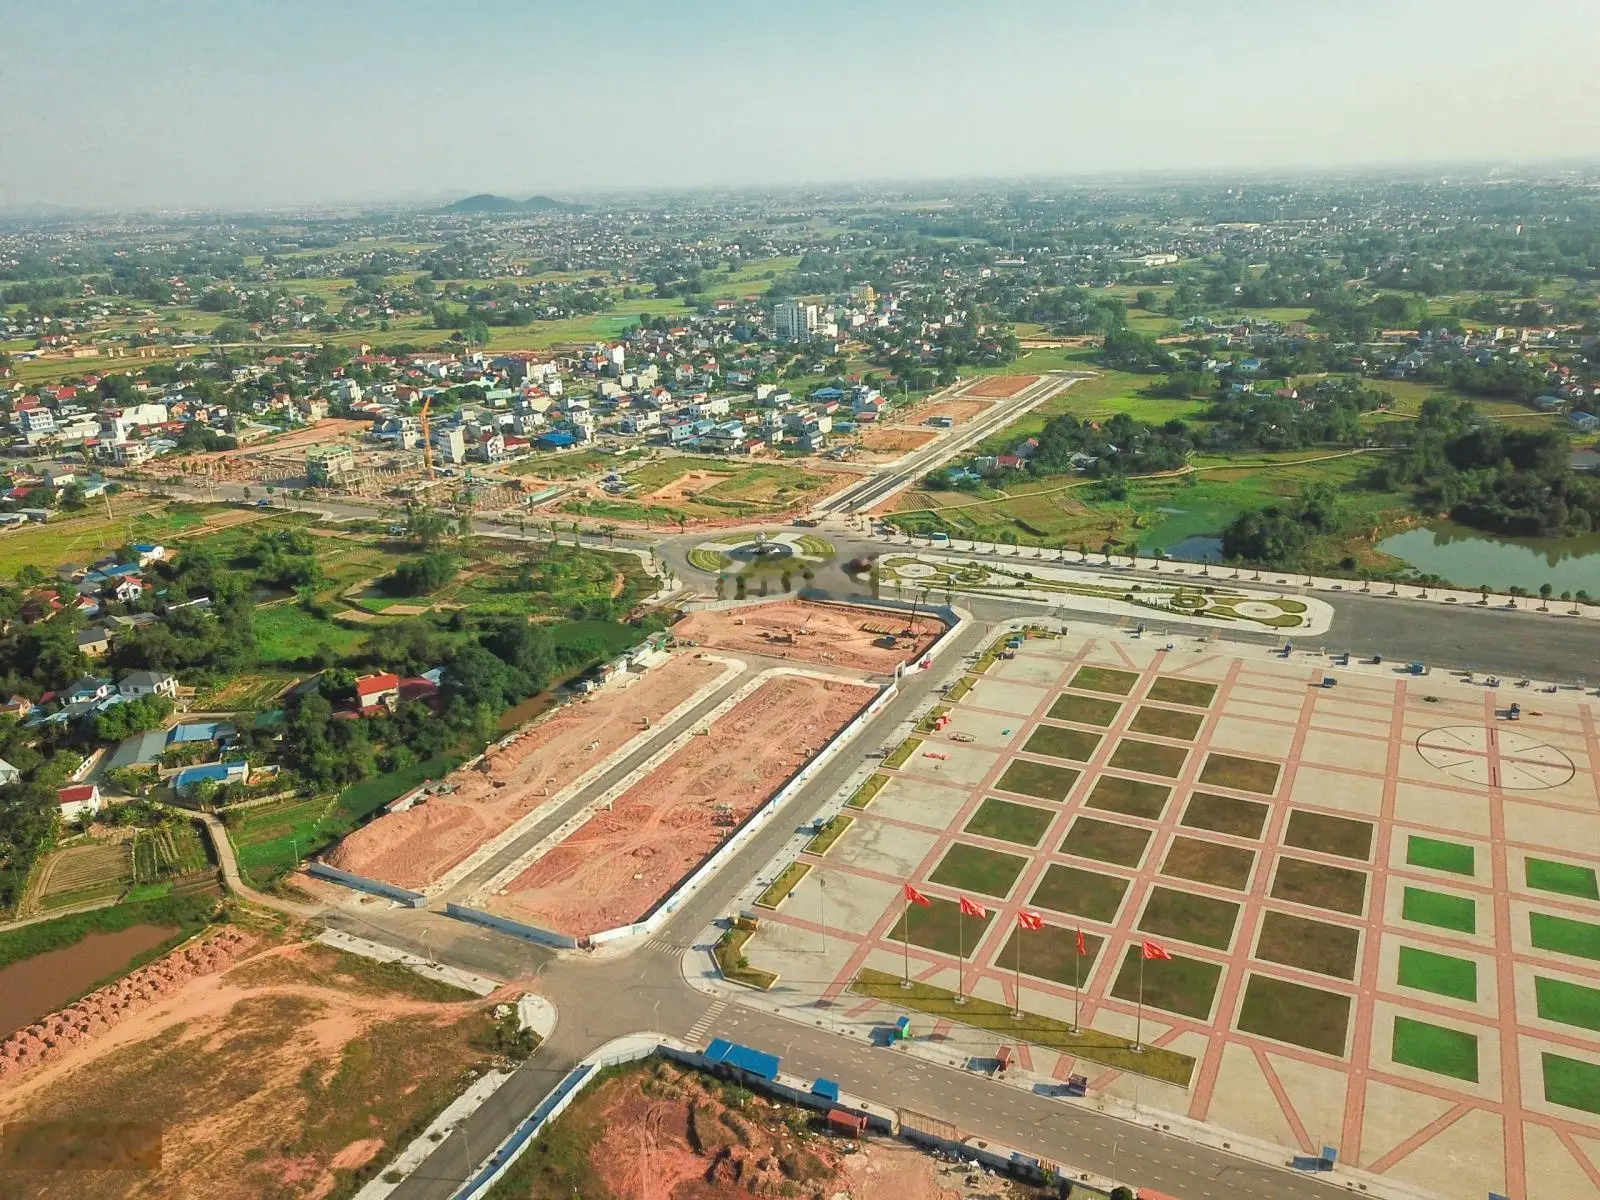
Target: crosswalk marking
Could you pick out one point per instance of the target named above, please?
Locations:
(664, 945)
(707, 1018)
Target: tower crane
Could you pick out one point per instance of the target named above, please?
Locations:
(427, 441)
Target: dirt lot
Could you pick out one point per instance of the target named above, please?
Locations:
(831, 634)
(886, 439)
(414, 848)
(613, 869)
(959, 411)
(283, 1076)
(1001, 387)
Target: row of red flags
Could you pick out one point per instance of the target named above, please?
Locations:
(1028, 919)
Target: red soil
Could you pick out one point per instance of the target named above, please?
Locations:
(614, 868)
(1002, 386)
(881, 439)
(835, 635)
(416, 847)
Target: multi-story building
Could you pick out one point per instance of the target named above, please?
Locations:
(327, 466)
(793, 321)
(449, 444)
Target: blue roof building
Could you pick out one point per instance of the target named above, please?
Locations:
(199, 731)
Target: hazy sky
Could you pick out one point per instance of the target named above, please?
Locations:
(242, 103)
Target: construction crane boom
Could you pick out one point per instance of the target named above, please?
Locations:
(427, 441)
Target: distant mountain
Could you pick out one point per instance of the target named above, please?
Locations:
(487, 202)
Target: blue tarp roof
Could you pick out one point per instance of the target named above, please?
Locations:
(557, 438)
(199, 731)
(752, 1062)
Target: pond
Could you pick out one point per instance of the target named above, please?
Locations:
(1469, 559)
(35, 986)
(1199, 548)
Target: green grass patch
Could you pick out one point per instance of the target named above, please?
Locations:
(183, 914)
(1051, 953)
(1104, 679)
(1566, 879)
(1178, 984)
(1149, 758)
(977, 869)
(788, 879)
(1330, 835)
(830, 833)
(931, 720)
(1563, 935)
(940, 926)
(1209, 862)
(1190, 692)
(960, 688)
(1441, 974)
(1293, 1013)
(1307, 944)
(1203, 920)
(1056, 742)
(1166, 722)
(286, 633)
(1010, 822)
(1085, 710)
(813, 546)
(1440, 909)
(1569, 1003)
(1079, 892)
(360, 799)
(1225, 814)
(902, 752)
(864, 794)
(1241, 774)
(1106, 841)
(708, 560)
(1132, 797)
(1440, 856)
(1103, 1048)
(731, 960)
(1571, 1082)
(1037, 779)
(1435, 1048)
(1337, 889)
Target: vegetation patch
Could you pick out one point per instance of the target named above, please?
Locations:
(788, 879)
(1104, 679)
(1569, 1003)
(902, 752)
(1106, 841)
(1571, 1082)
(1566, 879)
(1337, 889)
(960, 688)
(1186, 986)
(1203, 920)
(1010, 822)
(1085, 710)
(1190, 692)
(1225, 814)
(1293, 1013)
(1149, 758)
(1309, 945)
(1440, 856)
(1132, 797)
(940, 926)
(1037, 779)
(1440, 909)
(1240, 774)
(1056, 742)
(829, 834)
(977, 869)
(1330, 835)
(1435, 1048)
(1052, 953)
(864, 794)
(1441, 974)
(1166, 722)
(1209, 862)
(1079, 892)
(1563, 935)
(731, 960)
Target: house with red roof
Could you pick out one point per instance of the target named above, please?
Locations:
(378, 691)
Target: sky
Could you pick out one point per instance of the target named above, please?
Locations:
(248, 104)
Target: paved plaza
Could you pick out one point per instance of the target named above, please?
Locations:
(1380, 898)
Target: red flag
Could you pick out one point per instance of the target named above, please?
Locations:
(1082, 949)
(915, 896)
(1029, 920)
(1155, 950)
(972, 908)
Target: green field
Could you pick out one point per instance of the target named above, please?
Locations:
(1008, 821)
(1052, 741)
(1080, 893)
(1106, 841)
(973, 868)
(1569, 1003)
(1104, 679)
(1241, 774)
(1329, 834)
(1132, 797)
(1440, 856)
(1337, 889)
(1190, 692)
(1209, 862)
(1202, 920)
(1149, 758)
(731, 489)
(1086, 710)
(1564, 935)
(1166, 722)
(1037, 779)
(79, 540)
(1225, 814)
(286, 633)
(1567, 879)
(1293, 1013)
(1181, 985)
(1310, 945)
(1435, 1048)
(1441, 974)
(1571, 1082)
(940, 926)
(1459, 913)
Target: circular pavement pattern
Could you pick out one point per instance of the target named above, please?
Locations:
(1470, 752)
(915, 571)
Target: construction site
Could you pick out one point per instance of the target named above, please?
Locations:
(871, 641)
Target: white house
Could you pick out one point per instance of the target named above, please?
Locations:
(80, 800)
(8, 773)
(138, 684)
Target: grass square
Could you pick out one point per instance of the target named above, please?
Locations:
(1292, 1012)
(1441, 974)
(1131, 797)
(976, 869)
(1565, 878)
(1337, 889)
(1571, 1082)
(1010, 822)
(1241, 774)
(1037, 779)
(1224, 814)
(1051, 953)
(1435, 1048)
(1085, 710)
(1056, 742)
(1079, 892)
(939, 926)
(1166, 722)
(1330, 835)
(1564, 935)
(1181, 985)
(1440, 856)
(1459, 913)
(1307, 944)
(1569, 1003)
(1106, 841)
(1182, 691)
(1104, 679)
(1209, 862)
(1202, 920)
(1149, 758)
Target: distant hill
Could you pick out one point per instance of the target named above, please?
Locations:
(486, 202)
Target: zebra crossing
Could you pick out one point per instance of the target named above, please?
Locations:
(708, 1018)
(664, 945)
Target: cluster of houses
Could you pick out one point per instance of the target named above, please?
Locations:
(93, 589)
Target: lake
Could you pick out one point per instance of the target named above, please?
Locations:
(36, 986)
(1469, 559)
(1200, 548)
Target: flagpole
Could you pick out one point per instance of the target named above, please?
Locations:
(1077, 971)
(961, 955)
(1138, 1020)
(905, 941)
(1017, 1009)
